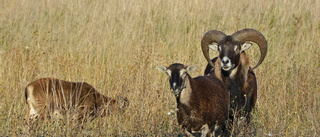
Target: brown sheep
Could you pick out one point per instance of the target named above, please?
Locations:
(57, 98)
(202, 102)
(232, 66)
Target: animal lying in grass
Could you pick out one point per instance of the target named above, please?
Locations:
(56, 98)
(202, 102)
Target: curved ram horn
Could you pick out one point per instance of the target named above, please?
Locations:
(254, 36)
(208, 38)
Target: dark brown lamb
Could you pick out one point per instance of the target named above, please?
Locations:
(202, 102)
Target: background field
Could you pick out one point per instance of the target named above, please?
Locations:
(115, 46)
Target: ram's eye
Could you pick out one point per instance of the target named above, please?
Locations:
(236, 49)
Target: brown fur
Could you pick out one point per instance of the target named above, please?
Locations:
(49, 95)
(208, 104)
(244, 79)
(202, 102)
(234, 70)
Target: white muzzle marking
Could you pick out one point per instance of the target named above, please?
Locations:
(226, 63)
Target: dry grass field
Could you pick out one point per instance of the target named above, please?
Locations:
(116, 45)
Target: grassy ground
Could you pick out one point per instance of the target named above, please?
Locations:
(115, 46)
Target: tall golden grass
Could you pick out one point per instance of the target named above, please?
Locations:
(115, 46)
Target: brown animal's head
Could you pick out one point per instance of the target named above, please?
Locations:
(123, 102)
(177, 74)
(117, 105)
(230, 47)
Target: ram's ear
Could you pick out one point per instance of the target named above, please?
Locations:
(214, 46)
(245, 46)
(162, 69)
(191, 68)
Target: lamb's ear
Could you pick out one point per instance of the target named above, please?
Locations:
(245, 46)
(214, 46)
(191, 68)
(162, 68)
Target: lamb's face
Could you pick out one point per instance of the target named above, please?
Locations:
(177, 74)
(177, 77)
